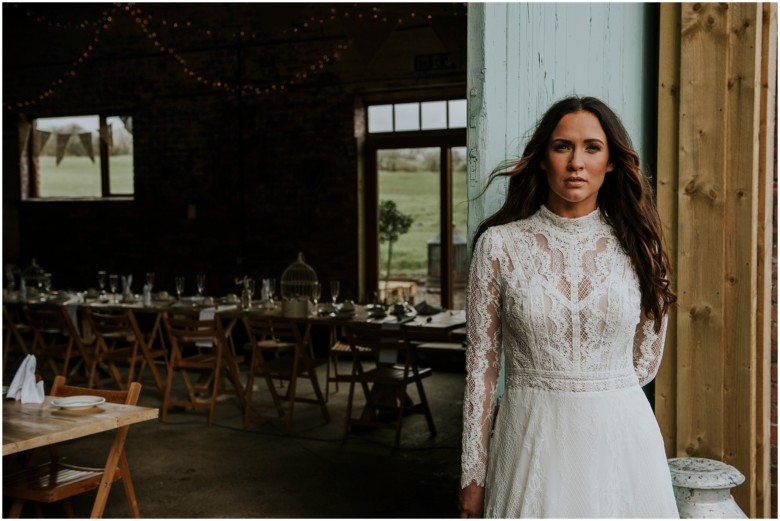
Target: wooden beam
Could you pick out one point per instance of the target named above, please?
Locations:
(718, 344)
(766, 155)
(667, 194)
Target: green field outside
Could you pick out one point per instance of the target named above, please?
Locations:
(417, 194)
(78, 176)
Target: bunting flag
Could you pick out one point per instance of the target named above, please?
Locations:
(86, 142)
(62, 142)
(40, 138)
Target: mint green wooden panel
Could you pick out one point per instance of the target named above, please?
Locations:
(525, 56)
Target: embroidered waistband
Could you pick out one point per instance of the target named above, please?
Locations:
(571, 381)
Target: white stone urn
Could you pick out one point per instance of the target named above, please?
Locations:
(702, 488)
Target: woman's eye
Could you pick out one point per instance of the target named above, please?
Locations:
(561, 146)
(594, 148)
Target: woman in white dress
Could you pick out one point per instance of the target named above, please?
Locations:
(569, 287)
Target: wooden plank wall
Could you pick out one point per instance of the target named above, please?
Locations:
(713, 389)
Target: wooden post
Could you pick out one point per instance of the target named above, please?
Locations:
(710, 404)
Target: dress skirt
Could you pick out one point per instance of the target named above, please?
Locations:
(563, 454)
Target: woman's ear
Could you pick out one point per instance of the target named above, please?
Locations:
(610, 167)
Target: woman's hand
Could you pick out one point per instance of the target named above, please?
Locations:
(472, 501)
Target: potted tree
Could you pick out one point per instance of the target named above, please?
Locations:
(392, 224)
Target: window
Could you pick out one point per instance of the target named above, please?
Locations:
(426, 115)
(415, 157)
(78, 157)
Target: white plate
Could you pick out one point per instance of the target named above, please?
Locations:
(78, 402)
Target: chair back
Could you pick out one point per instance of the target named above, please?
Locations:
(191, 332)
(50, 319)
(374, 336)
(127, 397)
(110, 323)
(272, 336)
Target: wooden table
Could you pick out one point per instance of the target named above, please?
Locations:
(33, 425)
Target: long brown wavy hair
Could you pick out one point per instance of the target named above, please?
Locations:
(625, 200)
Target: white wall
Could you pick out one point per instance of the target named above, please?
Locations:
(525, 56)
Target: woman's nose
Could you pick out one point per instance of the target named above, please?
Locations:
(575, 161)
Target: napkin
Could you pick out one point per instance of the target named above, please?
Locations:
(126, 283)
(24, 387)
(208, 314)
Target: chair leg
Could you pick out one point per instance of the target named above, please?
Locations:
(250, 382)
(127, 481)
(16, 508)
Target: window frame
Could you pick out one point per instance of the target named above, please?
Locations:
(29, 173)
(444, 139)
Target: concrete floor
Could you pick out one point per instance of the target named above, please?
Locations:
(184, 468)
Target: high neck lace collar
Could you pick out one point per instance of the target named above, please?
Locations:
(571, 224)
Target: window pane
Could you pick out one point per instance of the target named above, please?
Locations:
(380, 118)
(410, 178)
(407, 116)
(457, 113)
(460, 204)
(434, 114)
(68, 154)
(120, 155)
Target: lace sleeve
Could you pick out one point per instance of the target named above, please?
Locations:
(648, 348)
(483, 312)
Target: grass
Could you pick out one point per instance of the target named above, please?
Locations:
(417, 194)
(78, 176)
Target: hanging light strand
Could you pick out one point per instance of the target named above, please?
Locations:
(144, 21)
(98, 29)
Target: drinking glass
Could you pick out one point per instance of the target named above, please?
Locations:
(179, 286)
(271, 292)
(200, 282)
(113, 283)
(334, 290)
(150, 280)
(316, 293)
(102, 282)
(249, 287)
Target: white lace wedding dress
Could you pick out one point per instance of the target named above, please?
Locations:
(574, 435)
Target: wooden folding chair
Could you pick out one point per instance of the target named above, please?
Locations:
(17, 337)
(338, 349)
(119, 340)
(278, 353)
(57, 341)
(385, 384)
(58, 480)
(199, 346)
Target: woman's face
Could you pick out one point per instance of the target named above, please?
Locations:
(576, 161)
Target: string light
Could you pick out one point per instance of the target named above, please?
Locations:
(377, 14)
(102, 25)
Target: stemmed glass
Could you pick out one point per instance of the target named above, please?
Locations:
(102, 282)
(249, 288)
(334, 290)
(316, 293)
(113, 283)
(179, 286)
(200, 282)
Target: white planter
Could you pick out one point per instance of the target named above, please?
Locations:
(702, 488)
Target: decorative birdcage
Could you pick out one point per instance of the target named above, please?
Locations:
(34, 276)
(297, 282)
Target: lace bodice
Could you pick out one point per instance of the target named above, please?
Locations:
(560, 299)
